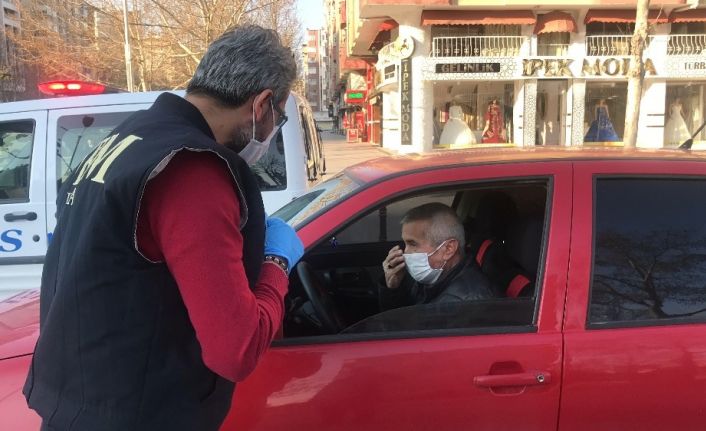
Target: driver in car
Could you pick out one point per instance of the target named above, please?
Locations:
(432, 268)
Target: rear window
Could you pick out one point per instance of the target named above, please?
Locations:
(649, 252)
(16, 138)
(78, 135)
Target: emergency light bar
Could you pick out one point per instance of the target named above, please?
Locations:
(73, 88)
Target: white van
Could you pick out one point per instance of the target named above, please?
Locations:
(41, 141)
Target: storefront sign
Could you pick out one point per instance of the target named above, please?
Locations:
(554, 68)
(695, 65)
(468, 68)
(406, 99)
(355, 96)
(550, 67)
(613, 67)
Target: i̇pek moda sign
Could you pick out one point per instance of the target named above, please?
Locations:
(484, 68)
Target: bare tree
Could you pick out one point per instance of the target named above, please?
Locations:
(636, 74)
(84, 40)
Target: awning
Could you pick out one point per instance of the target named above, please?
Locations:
(623, 16)
(478, 17)
(693, 15)
(555, 22)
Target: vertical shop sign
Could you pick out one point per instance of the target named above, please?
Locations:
(405, 47)
(406, 105)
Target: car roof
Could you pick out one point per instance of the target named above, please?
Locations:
(377, 169)
(81, 101)
(95, 100)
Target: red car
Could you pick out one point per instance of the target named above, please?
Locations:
(598, 257)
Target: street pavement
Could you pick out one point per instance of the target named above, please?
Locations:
(340, 154)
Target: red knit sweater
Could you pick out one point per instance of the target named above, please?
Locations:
(189, 219)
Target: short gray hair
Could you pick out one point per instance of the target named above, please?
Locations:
(243, 62)
(443, 221)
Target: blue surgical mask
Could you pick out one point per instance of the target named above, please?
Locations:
(419, 268)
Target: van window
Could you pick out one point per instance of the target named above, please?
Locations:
(16, 139)
(271, 169)
(78, 135)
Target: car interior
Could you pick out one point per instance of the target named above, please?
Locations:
(334, 289)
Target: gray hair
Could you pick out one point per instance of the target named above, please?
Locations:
(243, 62)
(443, 221)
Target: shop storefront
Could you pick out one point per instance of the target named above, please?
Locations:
(550, 83)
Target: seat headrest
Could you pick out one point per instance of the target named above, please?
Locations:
(524, 242)
(495, 212)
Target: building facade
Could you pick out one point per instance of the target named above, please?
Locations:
(463, 73)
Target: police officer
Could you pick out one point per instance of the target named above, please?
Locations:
(164, 281)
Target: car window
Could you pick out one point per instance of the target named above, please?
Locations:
(306, 134)
(509, 217)
(16, 139)
(649, 252)
(271, 169)
(384, 224)
(78, 135)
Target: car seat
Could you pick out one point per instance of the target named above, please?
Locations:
(512, 265)
(494, 213)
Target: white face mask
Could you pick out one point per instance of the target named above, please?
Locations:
(419, 268)
(255, 149)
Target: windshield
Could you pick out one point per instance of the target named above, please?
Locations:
(323, 195)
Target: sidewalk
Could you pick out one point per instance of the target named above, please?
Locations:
(340, 154)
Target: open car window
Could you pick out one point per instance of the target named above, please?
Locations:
(506, 219)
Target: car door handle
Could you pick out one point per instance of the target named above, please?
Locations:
(515, 379)
(31, 216)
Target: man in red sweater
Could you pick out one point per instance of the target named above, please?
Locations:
(164, 282)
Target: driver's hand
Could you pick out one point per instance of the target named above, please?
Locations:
(394, 267)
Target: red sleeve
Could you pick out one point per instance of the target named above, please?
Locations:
(189, 219)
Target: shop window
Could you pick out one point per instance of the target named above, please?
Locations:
(649, 266)
(684, 113)
(555, 44)
(604, 122)
(472, 113)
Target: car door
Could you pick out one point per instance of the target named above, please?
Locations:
(635, 351)
(73, 134)
(485, 378)
(23, 222)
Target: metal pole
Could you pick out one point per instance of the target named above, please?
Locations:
(128, 61)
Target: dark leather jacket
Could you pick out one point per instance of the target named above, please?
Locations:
(464, 282)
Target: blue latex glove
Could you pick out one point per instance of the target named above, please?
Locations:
(281, 240)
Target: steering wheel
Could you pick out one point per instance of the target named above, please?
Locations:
(321, 300)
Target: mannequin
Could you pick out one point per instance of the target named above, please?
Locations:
(493, 131)
(601, 129)
(675, 131)
(456, 132)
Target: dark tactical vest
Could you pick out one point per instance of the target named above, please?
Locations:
(117, 350)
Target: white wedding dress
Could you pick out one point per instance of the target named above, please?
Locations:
(675, 131)
(456, 132)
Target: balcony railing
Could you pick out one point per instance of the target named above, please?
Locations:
(477, 46)
(552, 49)
(608, 45)
(686, 44)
